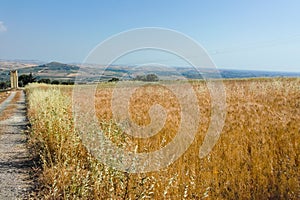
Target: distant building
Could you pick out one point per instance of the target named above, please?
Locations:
(14, 79)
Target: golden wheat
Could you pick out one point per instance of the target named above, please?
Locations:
(256, 157)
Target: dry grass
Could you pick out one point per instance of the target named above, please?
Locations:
(256, 157)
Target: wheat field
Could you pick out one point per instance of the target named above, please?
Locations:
(256, 156)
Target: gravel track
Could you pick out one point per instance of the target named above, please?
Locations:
(6, 102)
(15, 160)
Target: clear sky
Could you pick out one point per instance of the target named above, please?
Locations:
(238, 34)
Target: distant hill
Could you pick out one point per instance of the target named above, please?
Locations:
(99, 73)
(52, 70)
(233, 73)
(57, 66)
(94, 73)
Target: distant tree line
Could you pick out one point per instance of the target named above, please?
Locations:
(24, 79)
(55, 82)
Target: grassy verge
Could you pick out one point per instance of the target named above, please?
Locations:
(68, 171)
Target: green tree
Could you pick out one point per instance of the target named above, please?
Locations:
(45, 80)
(55, 82)
(24, 79)
(148, 77)
(69, 82)
(114, 79)
(3, 85)
(151, 77)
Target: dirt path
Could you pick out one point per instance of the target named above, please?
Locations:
(15, 160)
(6, 102)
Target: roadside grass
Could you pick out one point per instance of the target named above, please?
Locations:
(256, 157)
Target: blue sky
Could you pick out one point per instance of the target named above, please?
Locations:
(259, 35)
